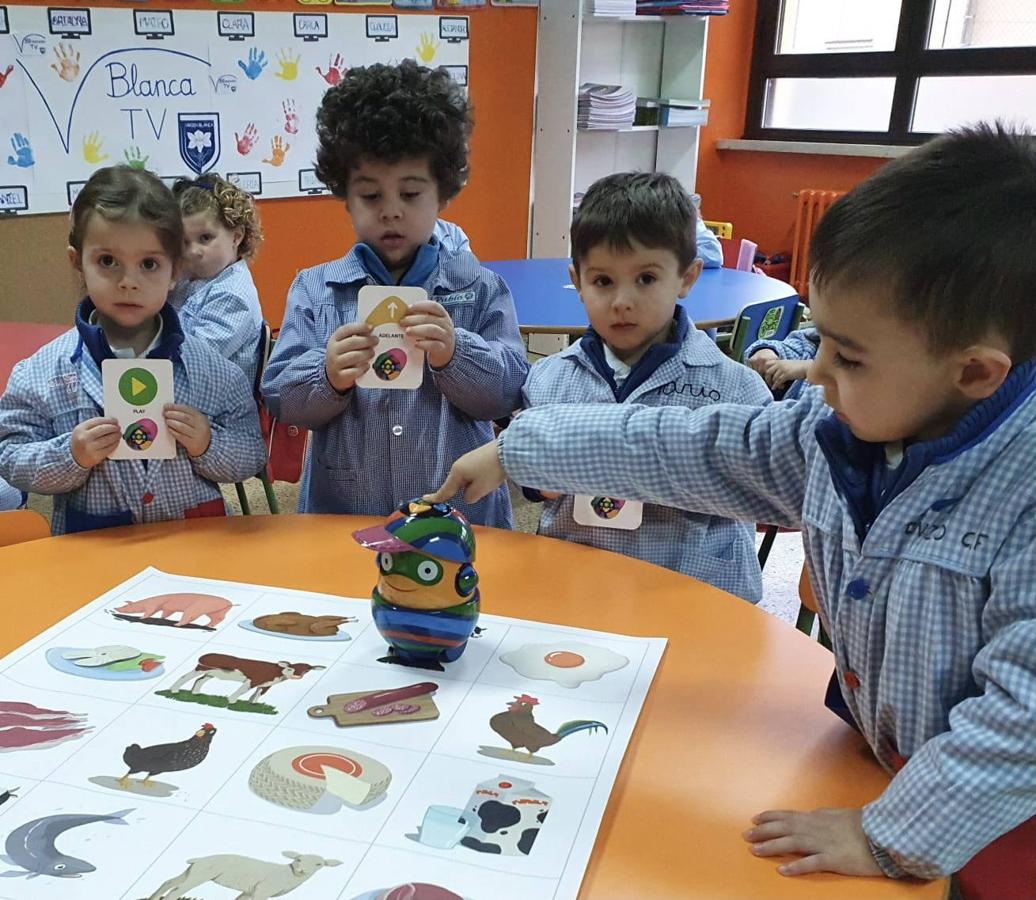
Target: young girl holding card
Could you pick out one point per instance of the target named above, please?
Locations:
(126, 240)
(218, 302)
(393, 143)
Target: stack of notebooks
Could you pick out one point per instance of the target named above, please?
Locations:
(607, 106)
(611, 7)
(669, 113)
(683, 7)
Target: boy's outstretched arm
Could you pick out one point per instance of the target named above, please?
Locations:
(741, 462)
(476, 474)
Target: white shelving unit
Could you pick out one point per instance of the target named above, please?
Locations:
(653, 56)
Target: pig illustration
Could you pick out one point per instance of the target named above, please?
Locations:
(190, 607)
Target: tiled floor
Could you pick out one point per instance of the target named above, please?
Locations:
(780, 576)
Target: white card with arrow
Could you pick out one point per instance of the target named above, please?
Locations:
(397, 363)
(135, 390)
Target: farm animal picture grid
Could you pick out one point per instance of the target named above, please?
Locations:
(182, 737)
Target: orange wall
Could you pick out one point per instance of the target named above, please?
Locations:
(754, 190)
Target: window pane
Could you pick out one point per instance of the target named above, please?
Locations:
(831, 104)
(943, 102)
(982, 23)
(837, 26)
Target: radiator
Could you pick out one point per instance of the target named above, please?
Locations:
(812, 206)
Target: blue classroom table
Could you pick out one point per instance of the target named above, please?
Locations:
(546, 301)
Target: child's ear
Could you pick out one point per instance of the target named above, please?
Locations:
(239, 236)
(690, 276)
(982, 371)
(573, 273)
(74, 259)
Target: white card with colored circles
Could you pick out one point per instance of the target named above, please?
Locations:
(397, 363)
(135, 390)
(607, 512)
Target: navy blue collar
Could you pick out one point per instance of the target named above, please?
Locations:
(92, 336)
(859, 470)
(421, 269)
(644, 367)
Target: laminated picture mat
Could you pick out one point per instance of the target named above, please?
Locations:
(185, 737)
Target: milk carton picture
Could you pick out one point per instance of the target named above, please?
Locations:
(504, 815)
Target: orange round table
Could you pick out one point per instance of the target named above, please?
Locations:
(734, 722)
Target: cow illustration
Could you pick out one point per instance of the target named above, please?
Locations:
(253, 675)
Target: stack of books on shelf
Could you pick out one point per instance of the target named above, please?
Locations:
(683, 7)
(605, 106)
(669, 113)
(611, 7)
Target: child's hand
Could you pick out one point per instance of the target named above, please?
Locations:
(94, 440)
(826, 840)
(349, 355)
(189, 426)
(477, 473)
(779, 372)
(430, 327)
(761, 359)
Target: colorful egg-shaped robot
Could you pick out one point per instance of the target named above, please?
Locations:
(426, 601)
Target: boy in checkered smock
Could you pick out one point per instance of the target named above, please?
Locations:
(393, 143)
(911, 470)
(126, 240)
(633, 256)
(785, 364)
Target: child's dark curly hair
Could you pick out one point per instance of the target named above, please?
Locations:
(231, 207)
(389, 113)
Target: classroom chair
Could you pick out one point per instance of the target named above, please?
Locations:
(808, 610)
(19, 525)
(263, 351)
(771, 320)
(739, 254)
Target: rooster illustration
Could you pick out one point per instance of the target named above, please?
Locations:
(519, 729)
(173, 757)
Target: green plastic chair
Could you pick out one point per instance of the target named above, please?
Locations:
(768, 320)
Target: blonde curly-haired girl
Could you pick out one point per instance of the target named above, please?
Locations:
(218, 301)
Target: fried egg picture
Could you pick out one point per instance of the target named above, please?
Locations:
(568, 663)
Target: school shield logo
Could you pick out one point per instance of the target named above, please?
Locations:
(199, 140)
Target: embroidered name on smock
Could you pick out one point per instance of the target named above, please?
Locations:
(694, 390)
(461, 297)
(932, 531)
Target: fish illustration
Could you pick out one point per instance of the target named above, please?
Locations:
(31, 845)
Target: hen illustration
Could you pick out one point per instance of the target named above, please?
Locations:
(519, 729)
(167, 757)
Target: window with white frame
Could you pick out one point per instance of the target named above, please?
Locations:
(889, 71)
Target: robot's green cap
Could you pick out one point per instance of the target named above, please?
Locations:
(435, 529)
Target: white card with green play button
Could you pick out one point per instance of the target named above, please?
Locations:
(135, 390)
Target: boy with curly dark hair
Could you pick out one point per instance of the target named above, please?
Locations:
(393, 143)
